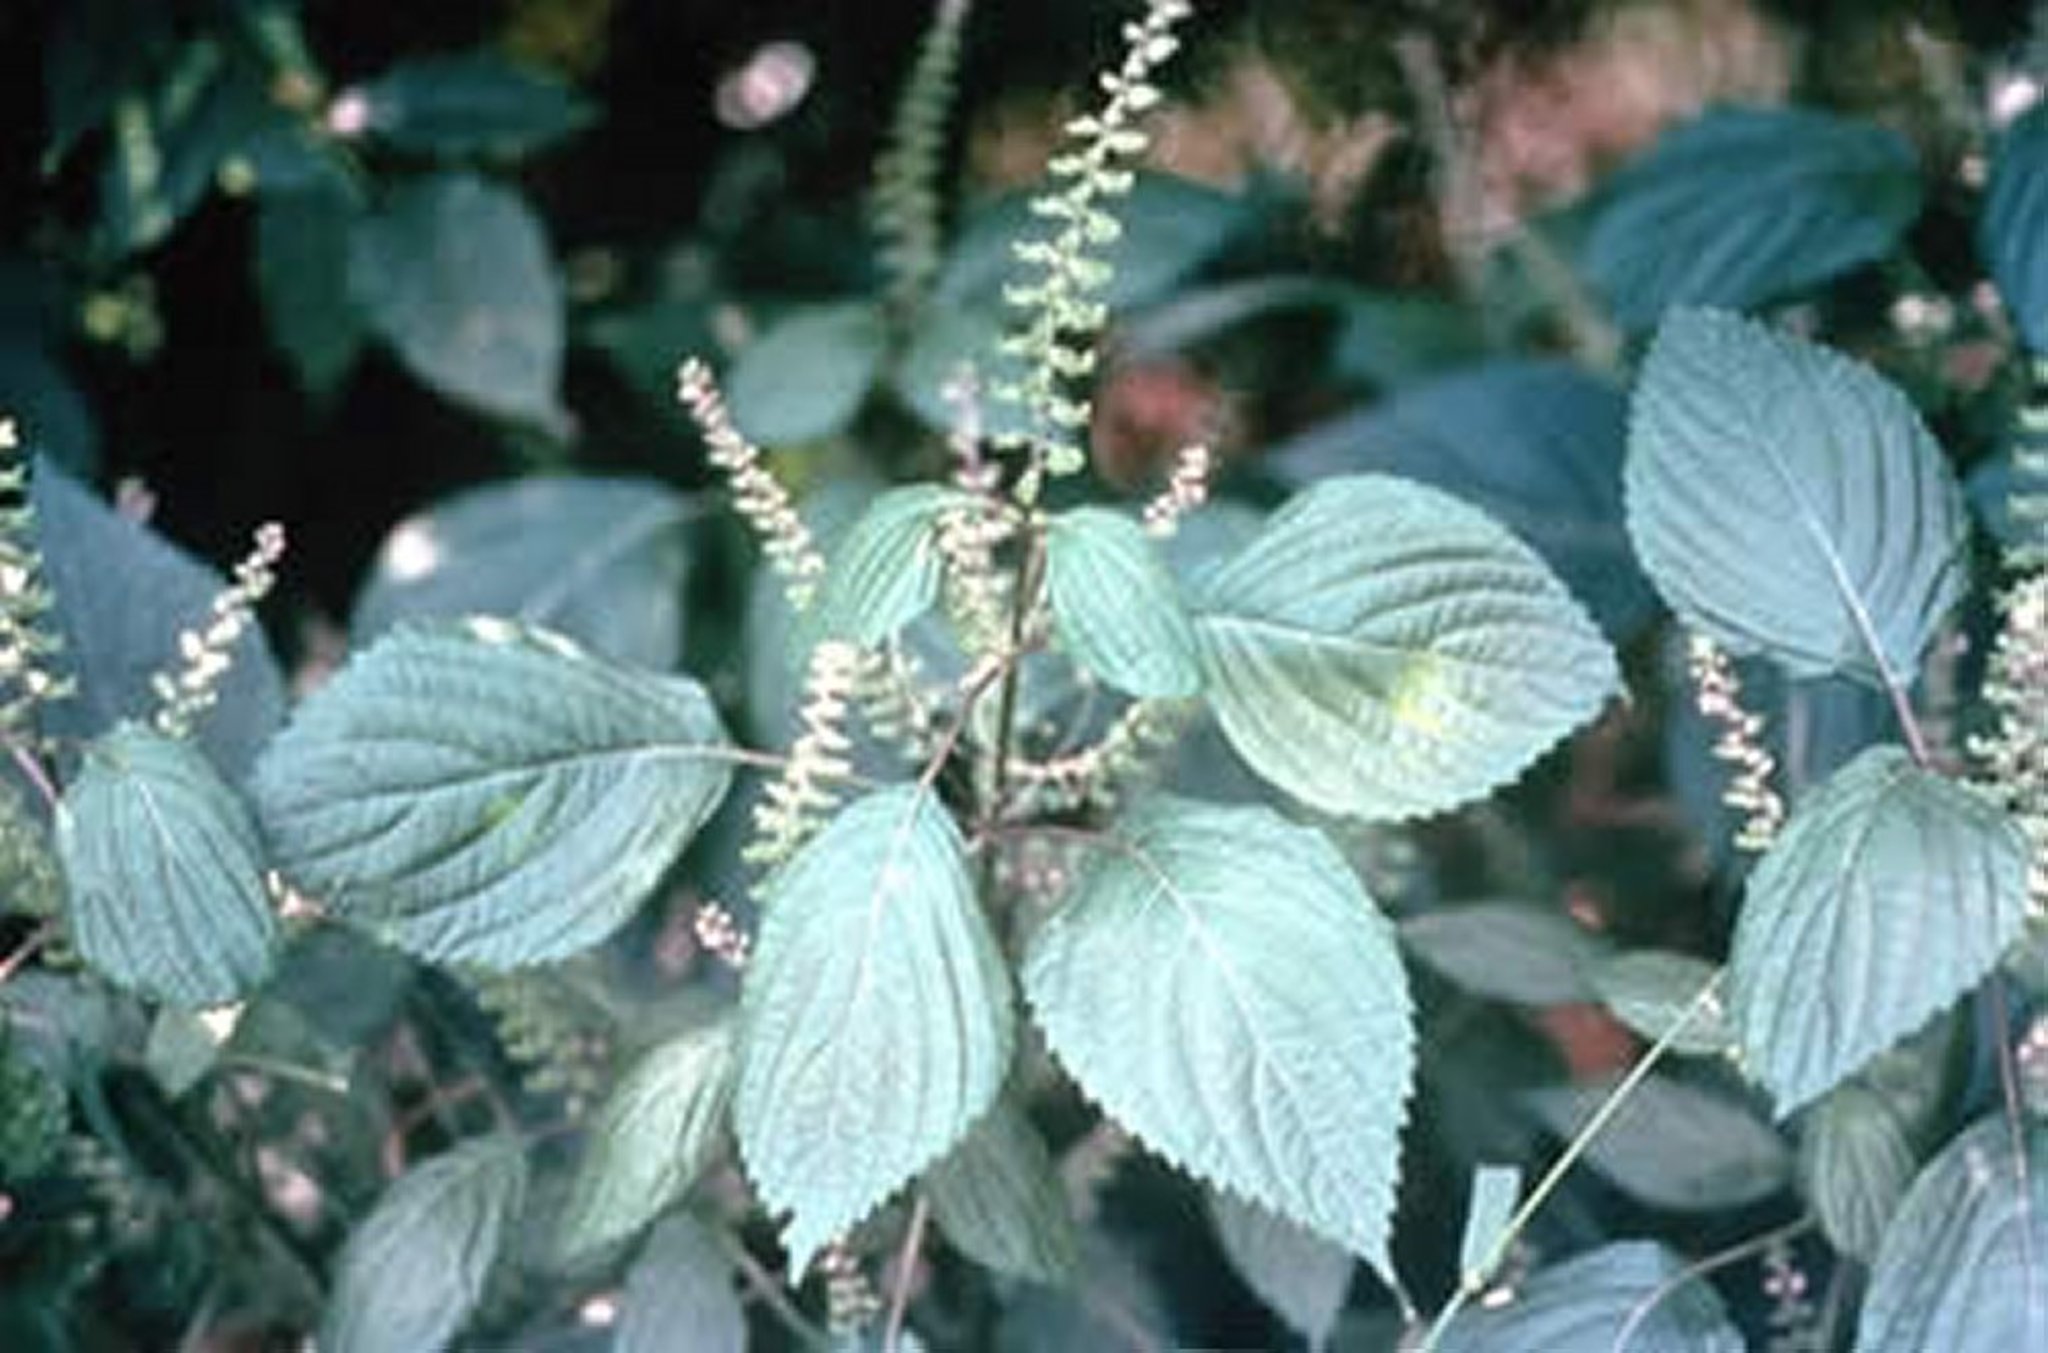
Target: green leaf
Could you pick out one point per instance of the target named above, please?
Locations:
(302, 252)
(1508, 951)
(679, 1295)
(948, 340)
(482, 793)
(1674, 1145)
(603, 561)
(415, 1268)
(806, 377)
(1961, 1264)
(1114, 606)
(1650, 989)
(1496, 1190)
(653, 1137)
(469, 103)
(1891, 892)
(1383, 650)
(1856, 1162)
(1221, 983)
(875, 1019)
(454, 272)
(886, 571)
(998, 1197)
(1745, 204)
(1301, 1276)
(2012, 229)
(1787, 499)
(1623, 1295)
(163, 872)
(181, 1050)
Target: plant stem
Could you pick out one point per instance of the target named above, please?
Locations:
(1700, 1269)
(906, 1268)
(1474, 1280)
(764, 1285)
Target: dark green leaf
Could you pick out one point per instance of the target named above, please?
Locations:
(1674, 1145)
(1856, 1162)
(1618, 1296)
(1787, 499)
(1961, 1264)
(163, 872)
(1303, 1277)
(1745, 204)
(651, 1139)
(805, 378)
(1221, 983)
(876, 1019)
(486, 794)
(1891, 892)
(1114, 606)
(679, 1295)
(604, 561)
(1383, 650)
(1508, 951)
(415, 1268)
(947, 341)
(454, 273)
(886, 571)
(1112, 1304)
(302, 253)
(123, 594)
(999, 1199)
(2012, 230)
(1649, 990)
(469, 103)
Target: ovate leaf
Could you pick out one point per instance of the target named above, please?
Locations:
(603, 561)
(1961, 1263)
(1302, 1276)
(454, 273)
(1618, 1296)
(1855, 1164)
(1114, 605)
(876, 1019)
(1891, 892)
(415, 1268)
(1508, 951)
(469, 103)
(1787, 499)
(482, 793)
(163, 872)
(302, 252)
(1674, 1145)
(651, 1139)
(886, 571)
(2012, 230)
(806, 377)
(679, 1295)
(1745, 204)
(1221, 983)
(998, 1197)
(1650, 990)
(1385, 651)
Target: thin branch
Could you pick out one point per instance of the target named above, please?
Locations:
(1700, 1269)
(768, 1289)
(906, 1269)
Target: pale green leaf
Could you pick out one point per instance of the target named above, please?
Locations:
(1496, 1189)
(1891, 892)
(1787, 500)
(876, 1020)
(415, 1268)
(998, 1197)
(163, 872)
(1856, 1162)
(2013, 227)
(679, 1295)
(484, 793)
(1508, 950)
(1624, 1295)
(1961, 1266)
(1222, 984)
(886, 570)
(1385, 651)
(181, 1050)
(651, 1139)
(1673, 1145)
(1650, 990)
(1303, 1277)
(806, 377)
(1114, 606)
